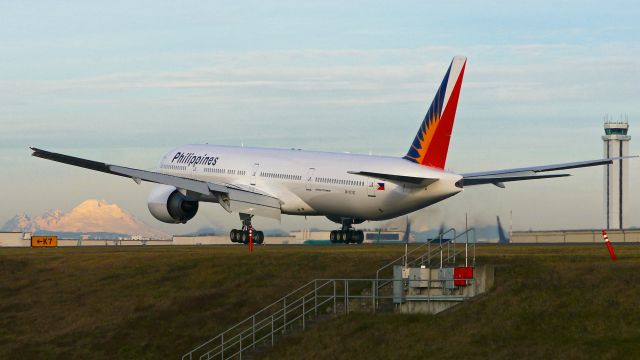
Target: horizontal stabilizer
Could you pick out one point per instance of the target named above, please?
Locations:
(397, 178)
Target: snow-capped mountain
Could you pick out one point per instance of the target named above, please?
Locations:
(20, 222)
(89, 217)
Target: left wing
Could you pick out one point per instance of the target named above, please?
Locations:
(498, 177)
(231, 197)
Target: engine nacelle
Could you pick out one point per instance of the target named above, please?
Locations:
(169, 205)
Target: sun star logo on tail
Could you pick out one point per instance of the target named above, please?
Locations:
(431, 143)
(192, 159)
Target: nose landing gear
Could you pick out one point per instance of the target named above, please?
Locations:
(242, 236)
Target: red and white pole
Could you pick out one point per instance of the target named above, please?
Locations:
(250, 238)
(608, 243)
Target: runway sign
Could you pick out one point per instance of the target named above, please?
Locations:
(44, 241)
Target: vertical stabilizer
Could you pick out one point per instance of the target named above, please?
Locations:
(502, 236)
(431, 143)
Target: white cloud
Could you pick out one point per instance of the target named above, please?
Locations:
(552, 84)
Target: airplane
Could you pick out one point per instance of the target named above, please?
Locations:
(346, 188)
(502, 235)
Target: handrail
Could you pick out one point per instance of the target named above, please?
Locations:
(254, 315)
(294, 308)
(429, 252)
(298, 310)
(467, 244)
(428, 244)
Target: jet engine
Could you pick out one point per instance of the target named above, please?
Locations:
(169, 205)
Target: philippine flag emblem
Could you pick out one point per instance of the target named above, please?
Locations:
(381, 186)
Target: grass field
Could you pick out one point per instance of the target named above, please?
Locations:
(159, 302)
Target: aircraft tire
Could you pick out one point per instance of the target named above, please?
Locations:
(340, 236)
(244, 237)
(333, 236)
(233, 235)
(359, 236)
(259, 237)
(348, 237)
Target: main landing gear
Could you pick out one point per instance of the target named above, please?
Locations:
(347, 234)
(242, 236)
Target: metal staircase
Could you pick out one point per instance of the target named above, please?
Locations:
(329, 297)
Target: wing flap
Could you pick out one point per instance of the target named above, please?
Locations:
(254, 204)
(250, 200)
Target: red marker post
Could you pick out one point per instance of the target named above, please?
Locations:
(250, 238)
(608, 243)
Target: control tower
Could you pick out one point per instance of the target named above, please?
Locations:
(616, 175)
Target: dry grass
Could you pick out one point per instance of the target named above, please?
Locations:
(558, 302)
(549, 303)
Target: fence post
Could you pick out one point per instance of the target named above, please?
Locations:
(375, 289)
(335, 295)
(315, 297)
(373, 296)
(284, 315)
(346, 296)
(454, 251)
(466, 249)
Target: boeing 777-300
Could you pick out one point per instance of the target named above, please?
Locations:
(346, 188)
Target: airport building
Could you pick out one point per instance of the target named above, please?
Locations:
(14, 239)
(616, 175)
(574, 236)
(299, 237)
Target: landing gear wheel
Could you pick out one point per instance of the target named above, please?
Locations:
(244, 237)
(347, 234)
(333, 236)
(348, 237)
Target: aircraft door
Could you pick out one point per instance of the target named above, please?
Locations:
(371, 189)
(254, 173)
(309, 178)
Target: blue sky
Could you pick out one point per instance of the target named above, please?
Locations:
(124, 82)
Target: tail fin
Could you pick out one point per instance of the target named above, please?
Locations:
(431, 144)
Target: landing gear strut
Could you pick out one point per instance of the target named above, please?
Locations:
(347, 234)
(242, 236)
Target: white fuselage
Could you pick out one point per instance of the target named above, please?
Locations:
(316, 183)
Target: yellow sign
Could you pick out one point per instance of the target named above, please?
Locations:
(46, 241)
